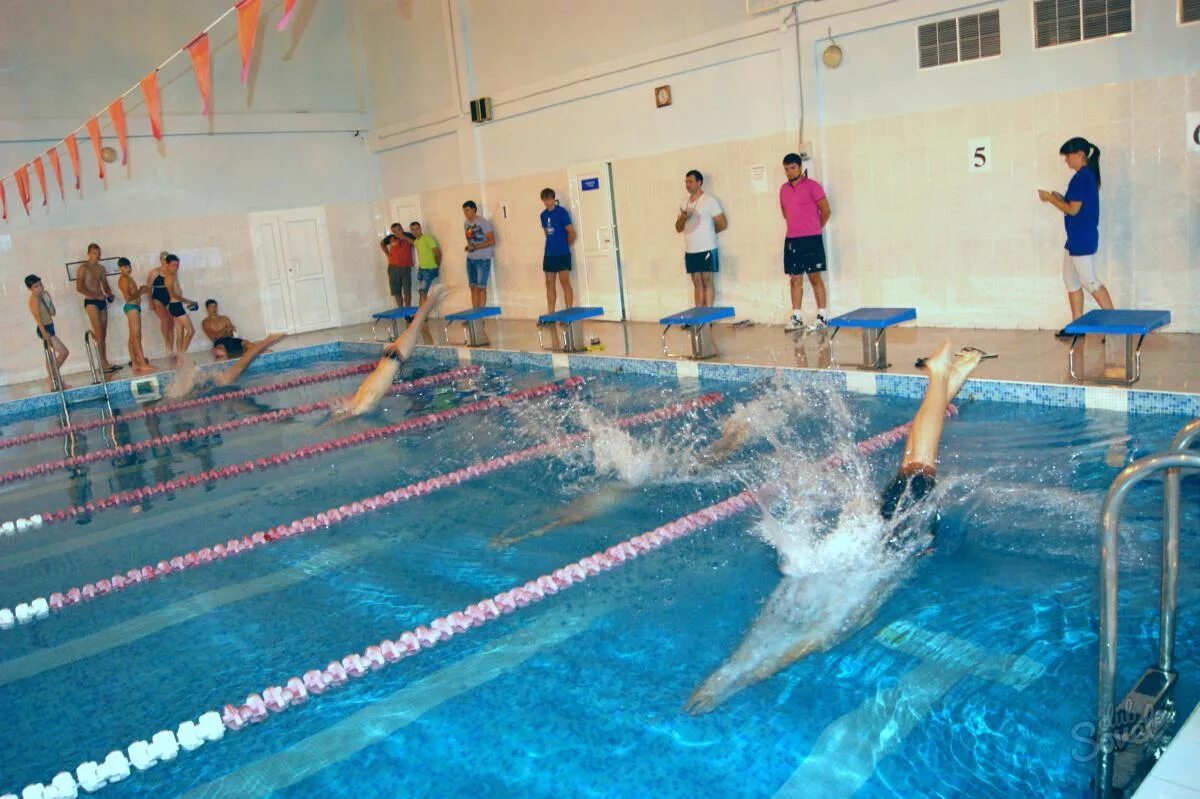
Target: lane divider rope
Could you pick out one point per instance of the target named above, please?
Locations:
(183, 405)
(41, 607)
(38, 520)
(36, 469)
(211, 726)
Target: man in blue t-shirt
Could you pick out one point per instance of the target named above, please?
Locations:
(560, 235)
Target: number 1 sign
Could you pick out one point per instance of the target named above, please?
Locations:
(979, 155)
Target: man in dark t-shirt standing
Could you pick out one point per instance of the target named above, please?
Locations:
(556, 264)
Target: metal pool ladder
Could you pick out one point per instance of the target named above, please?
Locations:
(1127, 733)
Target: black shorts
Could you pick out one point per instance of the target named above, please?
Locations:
(556, 263)
(176, 309)
(804, 255)
(49, 329)
(98, 304)
(902, 495)
(695, 262)
(233, 346)
(400, 280)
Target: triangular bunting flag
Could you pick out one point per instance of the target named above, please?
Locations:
(93, 129)
(198, 49)
(116, 112)
(3, 203)
(288, 8)
(73, 154)
(52, 154)
(22, 178)
(247, 14)
(40, 171)
(149, 86)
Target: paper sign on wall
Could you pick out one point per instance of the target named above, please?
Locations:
(589, 184)
(1193, 131)
(758, 178)
(979, 155)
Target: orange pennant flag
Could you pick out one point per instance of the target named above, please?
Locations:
(149, 86)
(40, 171)
(116, 112)
(93, 129)
(3, 203)
(247, 14)
(22, 178)
(52, 154)
(198, 49)
(288, 8)
(73, 153)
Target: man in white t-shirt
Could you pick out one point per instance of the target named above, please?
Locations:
(700, 219)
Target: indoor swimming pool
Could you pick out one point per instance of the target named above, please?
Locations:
(194, 560)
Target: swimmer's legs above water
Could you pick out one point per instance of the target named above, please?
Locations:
(253, 349)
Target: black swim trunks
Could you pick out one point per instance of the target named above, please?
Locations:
(99, 304)
(232, 345)
(49, 329)
(909, 487)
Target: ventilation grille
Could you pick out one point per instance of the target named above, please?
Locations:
(1064, 21)
(1189, 11)
(949, 41)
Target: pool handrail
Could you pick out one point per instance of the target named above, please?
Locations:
(1172, 460)
(56, 381)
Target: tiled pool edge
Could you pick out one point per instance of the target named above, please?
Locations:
(859, 382)
(1128, 400)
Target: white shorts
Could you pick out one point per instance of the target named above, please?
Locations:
(1079, 271)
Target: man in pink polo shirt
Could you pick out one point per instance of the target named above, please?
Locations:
(806, 211)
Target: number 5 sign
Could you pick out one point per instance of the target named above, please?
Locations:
(1193, 132)
(979, 155)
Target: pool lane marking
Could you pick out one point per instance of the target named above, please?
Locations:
(848, 751)
(384, 717)
(59, 601)
(275, 699)
(203, 431)
(184, 405)
(42, 660)
(371, 435)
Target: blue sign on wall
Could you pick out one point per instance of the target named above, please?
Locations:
(589, 184)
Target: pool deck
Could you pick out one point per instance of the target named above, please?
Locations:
(1170, 361)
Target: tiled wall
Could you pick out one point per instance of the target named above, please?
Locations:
(910, 225)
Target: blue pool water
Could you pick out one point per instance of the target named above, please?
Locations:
(583, 693)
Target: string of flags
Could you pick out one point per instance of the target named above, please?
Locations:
(247, 12)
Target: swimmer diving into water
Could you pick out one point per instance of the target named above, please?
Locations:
(379, 382)
(189, 380)
(798, 618)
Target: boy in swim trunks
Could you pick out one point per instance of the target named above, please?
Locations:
(223, 334)
(42, 309)
(132, 293)
(183, 325)
(92, 283)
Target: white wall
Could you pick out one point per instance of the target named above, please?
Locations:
(573, 82)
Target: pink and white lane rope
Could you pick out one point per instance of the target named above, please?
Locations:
(25, 612)
(183, 405)
(165, 745)
(295, 690)
(300, 453)
(221, 427)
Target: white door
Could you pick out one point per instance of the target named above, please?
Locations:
(295, 267)
(597, 254)
(405, 210)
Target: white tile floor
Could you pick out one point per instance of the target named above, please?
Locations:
(1171, 361)
(1177, 774)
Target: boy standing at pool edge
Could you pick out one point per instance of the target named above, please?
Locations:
(481, 238)
(806, 210)
(42, 309)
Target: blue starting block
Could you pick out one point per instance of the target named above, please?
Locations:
(1116, 323)
(698, 322)
(392, 317)
(572, 331)
(874, 323)
(472, 319)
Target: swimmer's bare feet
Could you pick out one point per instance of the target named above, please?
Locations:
(939, 362)
(960, 369)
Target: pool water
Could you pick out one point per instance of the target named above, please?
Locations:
(970, 680)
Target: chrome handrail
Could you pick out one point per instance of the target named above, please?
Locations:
(56, 381)
(1110, 519)
(93, 356)
(1170, 558)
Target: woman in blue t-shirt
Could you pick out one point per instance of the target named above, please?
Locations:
(1081, 210)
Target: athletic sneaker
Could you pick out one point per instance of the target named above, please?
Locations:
(820, 324)
(794, 323)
